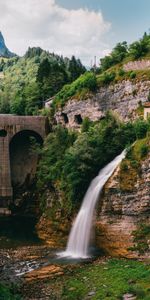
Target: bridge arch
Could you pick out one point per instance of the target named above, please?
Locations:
(23, 160)
(17, 163)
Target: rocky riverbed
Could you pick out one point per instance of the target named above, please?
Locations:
(30, 268)
(34, 273)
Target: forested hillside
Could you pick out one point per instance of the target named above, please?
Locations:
(26, 82)
(112, 70)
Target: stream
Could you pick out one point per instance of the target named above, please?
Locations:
(27, 263)
(18, 231)
(22, 252)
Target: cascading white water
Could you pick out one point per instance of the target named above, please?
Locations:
(79, 238)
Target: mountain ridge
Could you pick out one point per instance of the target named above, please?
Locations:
(4, 51)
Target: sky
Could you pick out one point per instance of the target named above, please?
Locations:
(84, 28)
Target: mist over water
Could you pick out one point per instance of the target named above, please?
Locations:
(79, 238)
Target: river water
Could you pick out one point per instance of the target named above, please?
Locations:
(17, 231)
(21, 250)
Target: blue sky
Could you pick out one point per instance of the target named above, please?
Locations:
(83, 28)
(129, 18)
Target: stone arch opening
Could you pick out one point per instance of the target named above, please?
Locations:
(78, 119)
(3, 133)
(65, 118)
(23, 157)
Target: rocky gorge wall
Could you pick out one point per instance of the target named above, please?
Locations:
(123, 98)
(125, 203)
(124, 207)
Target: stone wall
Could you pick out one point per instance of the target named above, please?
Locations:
(122, 98)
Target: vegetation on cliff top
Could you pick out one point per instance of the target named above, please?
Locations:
(81, 88)
(130, 169)
(123, 52)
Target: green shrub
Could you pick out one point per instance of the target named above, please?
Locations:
(106, 78)
(144, 150)
(124, 166)
(134, 163)
(86, 124)
(132, 75)
(121, 72)
(141, 128)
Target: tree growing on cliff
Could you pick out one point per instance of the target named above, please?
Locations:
(140, 48)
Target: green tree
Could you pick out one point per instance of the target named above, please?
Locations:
(75, 68)
(140, 48)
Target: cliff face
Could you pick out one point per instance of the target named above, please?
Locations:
(137, 65)
(122, 98)
(123, 210)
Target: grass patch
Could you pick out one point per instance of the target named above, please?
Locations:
(108, 280)
(8, 293)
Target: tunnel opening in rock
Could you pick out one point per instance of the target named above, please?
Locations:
(78, 119)
(23, 163)
(65, 118)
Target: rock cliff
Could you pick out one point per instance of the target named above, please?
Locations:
(123, 98)
(123, 221)
(137, 65)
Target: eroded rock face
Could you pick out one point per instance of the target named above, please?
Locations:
(122, 210)
(137, 65)
(122, 98)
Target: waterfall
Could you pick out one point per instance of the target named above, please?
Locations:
(79, 238)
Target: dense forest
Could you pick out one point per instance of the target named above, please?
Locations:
(26, 82)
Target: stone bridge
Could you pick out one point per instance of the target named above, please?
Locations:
(17, 161)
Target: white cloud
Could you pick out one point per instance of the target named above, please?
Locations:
(106, 52)
(54, 28)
